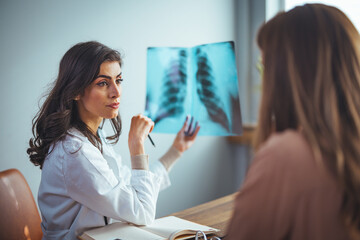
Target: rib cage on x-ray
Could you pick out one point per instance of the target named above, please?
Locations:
(206, 90)
(174, 89)
(200, 81)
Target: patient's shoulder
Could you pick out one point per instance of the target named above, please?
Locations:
(286, 149)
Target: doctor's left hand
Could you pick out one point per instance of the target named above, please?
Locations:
(187, 135)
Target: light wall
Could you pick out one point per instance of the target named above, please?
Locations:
(35, 34)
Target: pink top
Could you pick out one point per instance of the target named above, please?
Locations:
(287, 195)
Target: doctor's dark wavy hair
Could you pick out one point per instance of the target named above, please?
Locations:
(78, 68)
(311, 80)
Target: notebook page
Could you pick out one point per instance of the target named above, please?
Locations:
(168, 225)
(121, 231)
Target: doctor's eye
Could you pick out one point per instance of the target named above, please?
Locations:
(119, 80)
(102, 84)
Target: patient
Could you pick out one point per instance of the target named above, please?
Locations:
(304, 182)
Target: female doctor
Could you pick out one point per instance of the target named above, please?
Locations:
(84, 183)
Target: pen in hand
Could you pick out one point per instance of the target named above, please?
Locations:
(152, 142)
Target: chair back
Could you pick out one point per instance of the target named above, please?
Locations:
(19, 216)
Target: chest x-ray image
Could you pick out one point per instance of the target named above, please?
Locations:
(200, 81)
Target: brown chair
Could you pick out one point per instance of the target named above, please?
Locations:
(19, 216)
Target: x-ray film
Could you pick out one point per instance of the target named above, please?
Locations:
(200, 81)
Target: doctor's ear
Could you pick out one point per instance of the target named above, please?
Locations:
(77, 98)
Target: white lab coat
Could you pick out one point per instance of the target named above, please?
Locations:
(79, 186)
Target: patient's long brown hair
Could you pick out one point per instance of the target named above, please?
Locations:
(311, 79)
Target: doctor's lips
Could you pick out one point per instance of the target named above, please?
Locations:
(114, 105)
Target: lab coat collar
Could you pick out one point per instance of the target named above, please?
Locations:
(75, 132)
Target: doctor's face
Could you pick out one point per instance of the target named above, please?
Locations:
(101, 99)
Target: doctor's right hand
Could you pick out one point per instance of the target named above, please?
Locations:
(140, 128)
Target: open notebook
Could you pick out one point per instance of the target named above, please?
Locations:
(163, 228)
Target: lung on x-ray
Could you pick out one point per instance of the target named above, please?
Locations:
(200, 81)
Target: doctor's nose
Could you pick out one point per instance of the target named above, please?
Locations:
(115, 91)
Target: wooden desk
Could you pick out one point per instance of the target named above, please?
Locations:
(216, 213)
(247, 136)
